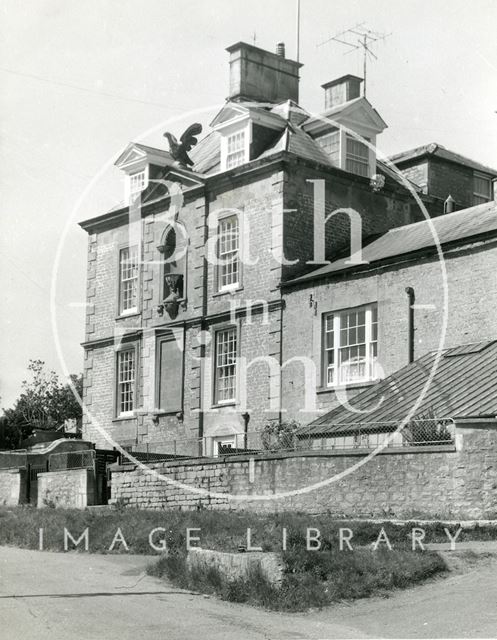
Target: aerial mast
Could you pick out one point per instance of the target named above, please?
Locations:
(359, 37)
(298, 30)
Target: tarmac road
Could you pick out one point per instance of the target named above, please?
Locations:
(80, 596)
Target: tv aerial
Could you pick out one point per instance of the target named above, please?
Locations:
(359, 37)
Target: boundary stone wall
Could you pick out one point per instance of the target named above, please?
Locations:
(428, 481)
(12, 487)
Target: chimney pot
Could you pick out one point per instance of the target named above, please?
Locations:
(280, 49)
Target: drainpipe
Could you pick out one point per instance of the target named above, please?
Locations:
(203, 326)
(410, 324)
(280, 412)
(246, 420)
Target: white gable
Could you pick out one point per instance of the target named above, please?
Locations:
(229, 112)
(136, 155)
(357, 114)
(130, 155)
(361, 113)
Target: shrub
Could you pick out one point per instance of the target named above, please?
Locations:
(276, 435)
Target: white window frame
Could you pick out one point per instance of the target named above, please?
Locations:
(228, 260)
(125, 278)
(338, 373)
(221, 367)
(356, 159)
(235, 152)
(323, 143)
(480, 197)
(130, 192)
(244, 130)
(126, 387)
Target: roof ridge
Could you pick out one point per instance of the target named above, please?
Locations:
(443, 216)
(432, 148)
(466, 344)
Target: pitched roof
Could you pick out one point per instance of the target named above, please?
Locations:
(435, 149)
(451, 227)
(161, 154)
(344, 110)
(206, 155)
(298, 142)
(464, 386)
(291, 111)
(258, 113)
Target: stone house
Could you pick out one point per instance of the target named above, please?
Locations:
(206, 280)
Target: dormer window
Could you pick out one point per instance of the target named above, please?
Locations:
(137, 182)
(235, 155)
(235, 145)
(357, 157)
(347, 152)
(348, 128)
(143, 166)
(245, 132)
(330, 143)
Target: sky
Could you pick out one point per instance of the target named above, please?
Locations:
(82, 79)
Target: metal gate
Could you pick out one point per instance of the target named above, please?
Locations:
(103, 475)
(32, 480)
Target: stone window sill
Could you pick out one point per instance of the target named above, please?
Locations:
(124, 418)
(165, 412)
(223, 404)
(128, 315)
(227, 292)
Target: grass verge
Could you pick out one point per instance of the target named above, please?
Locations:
(224, 531)
(312, 579)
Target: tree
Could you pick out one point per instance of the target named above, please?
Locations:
(45, 403)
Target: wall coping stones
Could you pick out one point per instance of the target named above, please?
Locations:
(278, 455)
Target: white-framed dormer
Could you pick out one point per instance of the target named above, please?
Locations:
(358, 154)
(349, 146)
(235, 123)
(135, 182)
(235, 144)
(135, 162)
(235, 126)
(347, 130)
(350, 150)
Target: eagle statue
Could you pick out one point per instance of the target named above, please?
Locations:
(179, 150)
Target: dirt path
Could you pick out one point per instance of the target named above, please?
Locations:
(81, 597)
